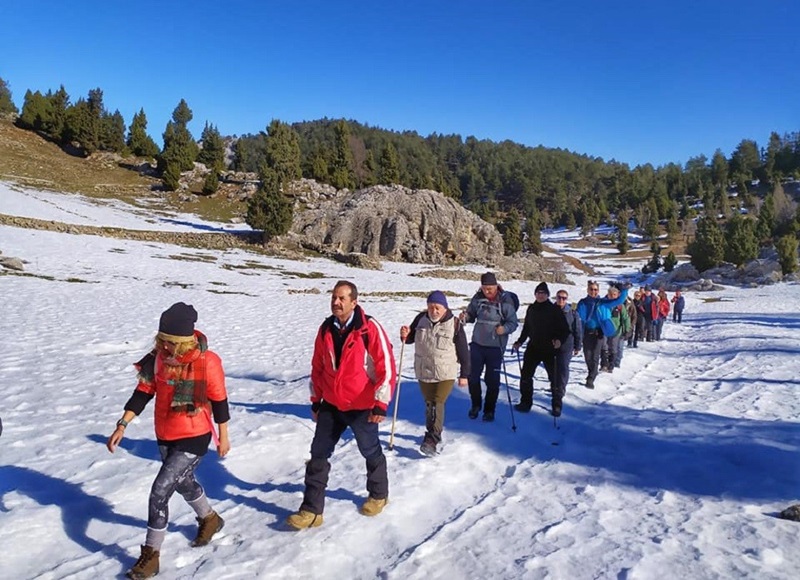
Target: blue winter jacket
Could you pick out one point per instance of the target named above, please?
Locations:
(595, 313)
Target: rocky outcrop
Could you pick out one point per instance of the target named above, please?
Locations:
(395, 223)
(755, 273)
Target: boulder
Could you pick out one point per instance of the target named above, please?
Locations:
(395, 223)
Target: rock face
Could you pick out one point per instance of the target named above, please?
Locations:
(397, 223)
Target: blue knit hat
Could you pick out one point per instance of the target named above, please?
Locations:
(437, 297)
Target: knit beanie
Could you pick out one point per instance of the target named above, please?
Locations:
(437, 297)
(488, 279)
(542, 287)
(177, 321)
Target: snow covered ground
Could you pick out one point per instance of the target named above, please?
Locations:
(674, 467)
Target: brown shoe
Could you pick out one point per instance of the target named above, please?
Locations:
(373, 506)
(207, 527)
(304, 519)
(146, 566)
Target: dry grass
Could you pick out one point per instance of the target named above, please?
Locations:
(30, 160)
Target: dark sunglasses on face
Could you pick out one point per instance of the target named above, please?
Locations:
(561, 297)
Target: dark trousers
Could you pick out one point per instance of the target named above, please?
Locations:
(650, 331)
(677, 316)
(658, 325)
(176, 474)
(564, 357)
(490, 357)
(592, 346)
(640, 332)
(331, 423)
(533, 357)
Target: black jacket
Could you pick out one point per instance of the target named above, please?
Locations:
(544, 322)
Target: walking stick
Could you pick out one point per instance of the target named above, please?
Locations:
(508, 392)
(397, 395)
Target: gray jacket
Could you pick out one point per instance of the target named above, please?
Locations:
(441, 347)
(487, 315)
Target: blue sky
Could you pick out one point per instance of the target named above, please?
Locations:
(637, 81)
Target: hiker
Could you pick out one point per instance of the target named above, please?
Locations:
(611, 351)
(633, 316)
(647, 309)
(494, 312)
(441, 350)
(679, 303)
(352, 380)
(660, 310)
(595, 314)
(640, 328)
(188, 383)
(572, 345)
(547, 329)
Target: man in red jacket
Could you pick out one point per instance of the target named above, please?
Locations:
(352, 380)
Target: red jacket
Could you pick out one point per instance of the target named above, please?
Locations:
(365, 376)
(171, 425)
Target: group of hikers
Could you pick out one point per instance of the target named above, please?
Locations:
(353, 377)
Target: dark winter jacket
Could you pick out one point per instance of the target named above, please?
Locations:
(544, 322)
(679, 303)
(575, 339)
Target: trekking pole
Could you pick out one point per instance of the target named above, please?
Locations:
(555, 385)
(519, 364)
(508, 392)
(397, 396)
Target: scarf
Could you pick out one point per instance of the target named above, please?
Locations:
(187, 376)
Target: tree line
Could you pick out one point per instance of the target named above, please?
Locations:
(520, 189)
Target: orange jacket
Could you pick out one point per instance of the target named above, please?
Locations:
(171, 425)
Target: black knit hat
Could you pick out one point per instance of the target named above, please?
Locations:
(488, 279)
(542, 287)
(178, 320)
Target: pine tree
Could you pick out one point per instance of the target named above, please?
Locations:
(7, 105)
(651, 220)
(36, 111)
(787, 253)
(707, 250)
(670, 262)
(622, 233)
(533, 232)
(741, 244)
(269, 209)
(180, 149)
(211, 182)
(766, 220)
(139, 142)
(388, 166)
(212, 153)
(112, 132)
(512, 232)
(341, 166)
(283, 152)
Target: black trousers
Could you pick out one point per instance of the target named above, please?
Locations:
(534, 357)
(331, 423)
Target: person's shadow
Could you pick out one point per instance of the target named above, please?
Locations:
(220, 484)
(78, 508)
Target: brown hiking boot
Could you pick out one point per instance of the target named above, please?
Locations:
(146, 566)
(304, 519)
(373, 506)
(207, 527)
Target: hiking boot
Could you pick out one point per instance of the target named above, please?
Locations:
(589, 383)
(146, 566)
(428, 446)
(304, 519)
(488, 416)
(556, 408)
(473, 411)
(207, 527)
(522, 407)
(373, 506)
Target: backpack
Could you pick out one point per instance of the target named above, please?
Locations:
(514, 298)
